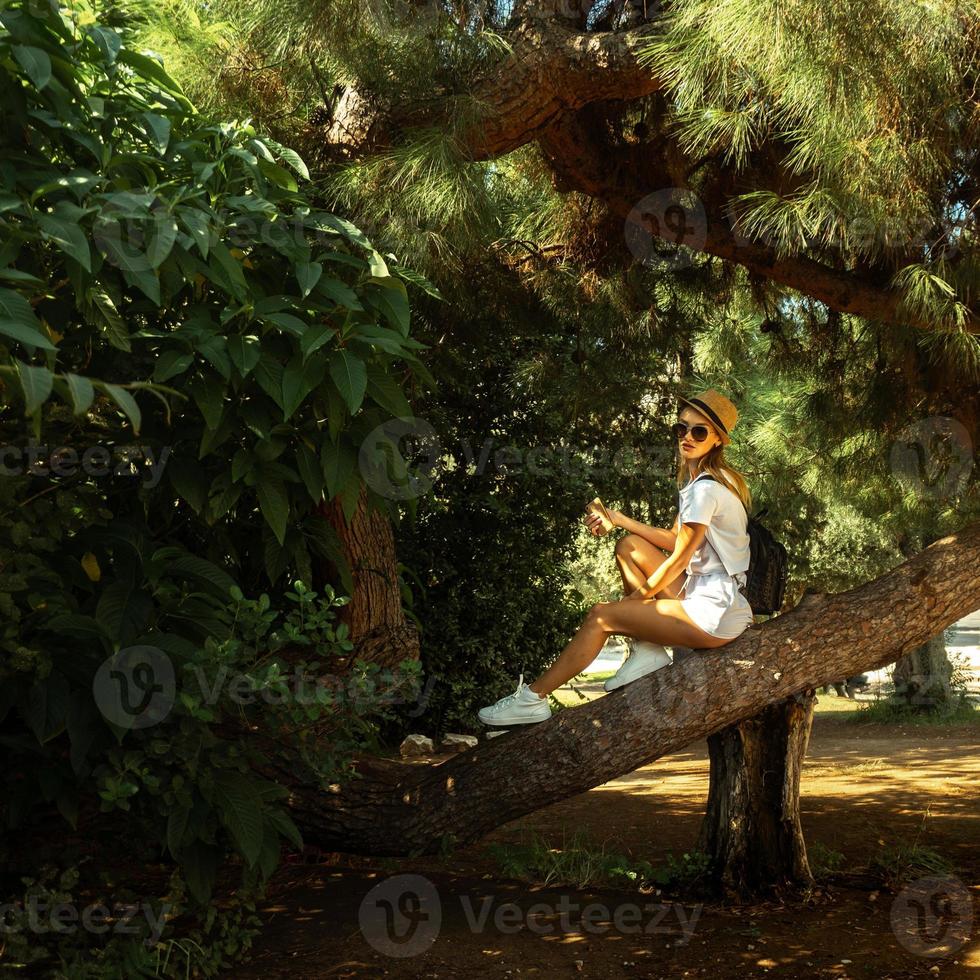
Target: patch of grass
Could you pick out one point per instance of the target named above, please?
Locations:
(906, 860)
(890, 711)
(900, 863)
(824, 861)
(691, 868)
(581, 862)
(578, 861)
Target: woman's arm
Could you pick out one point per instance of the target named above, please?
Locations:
(689, 538)
(662, 538)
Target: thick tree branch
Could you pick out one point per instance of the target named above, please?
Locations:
(398, 809)
(623, 177)
(544, 91)
(554, 70)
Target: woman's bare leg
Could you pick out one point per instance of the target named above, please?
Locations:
(638, 559)
(656, 620)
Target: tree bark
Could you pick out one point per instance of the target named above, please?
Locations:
(923, 678)
(751, 827)
(374, 616)
(400, 809)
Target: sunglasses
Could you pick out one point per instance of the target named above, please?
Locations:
(698, 432)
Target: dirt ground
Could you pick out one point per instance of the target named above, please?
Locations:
(864, 788)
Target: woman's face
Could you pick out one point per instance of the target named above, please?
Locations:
(691, 450)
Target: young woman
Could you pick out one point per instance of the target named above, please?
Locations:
(691, 597)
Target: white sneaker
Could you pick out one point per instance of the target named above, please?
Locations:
(645, 658)
(523, 707)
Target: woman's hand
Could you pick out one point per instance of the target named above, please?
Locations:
(593, 521)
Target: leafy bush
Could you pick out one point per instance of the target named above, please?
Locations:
(193, 361)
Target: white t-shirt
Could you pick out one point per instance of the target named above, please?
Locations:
(725, 546)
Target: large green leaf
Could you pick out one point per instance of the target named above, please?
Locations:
(155, 72)
(47, 707)
(127, 403)
(350, 376)
(17, 320)
(122, 611)
(387, 392)
(36, 383)
(244, 353)
(192, 566)
(308, 275)
(241, 809)
(35, 62)
(170, 364)
(82, 392)
(274, 504)
(199, 864)
(299, 378)
(112, 323)
(310, 471)
(337, 460)
(390, 297)
(68, 236)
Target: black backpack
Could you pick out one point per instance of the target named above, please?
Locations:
(765, 582)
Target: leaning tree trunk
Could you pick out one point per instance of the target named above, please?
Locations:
(923, 677)
(374, 617)
(751, 827)
(401, 809)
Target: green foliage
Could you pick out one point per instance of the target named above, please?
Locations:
(183, 252)
(871, 97)
(905, 861)
(580, 862)
(824, 861)
(577, 861)
(172, 301)
(894, 710)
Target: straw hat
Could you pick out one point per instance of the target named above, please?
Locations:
(716, 407)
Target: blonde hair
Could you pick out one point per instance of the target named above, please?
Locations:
(714, 462)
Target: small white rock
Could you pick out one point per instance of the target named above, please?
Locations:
(460, 742)
(416, 745)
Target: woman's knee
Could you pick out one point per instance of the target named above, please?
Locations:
(598, 615)
(625, 545)
(633, 546)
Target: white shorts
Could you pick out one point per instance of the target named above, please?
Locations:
(715, 604)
